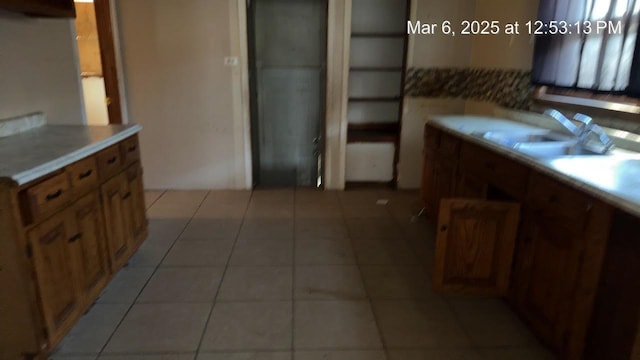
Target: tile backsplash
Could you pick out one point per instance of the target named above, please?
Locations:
(508, 88)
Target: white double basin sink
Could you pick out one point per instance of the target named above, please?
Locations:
(545, 143)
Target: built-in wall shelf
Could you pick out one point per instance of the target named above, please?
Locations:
(376, 82)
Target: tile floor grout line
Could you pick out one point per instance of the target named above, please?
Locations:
(224, 272)
(151, 276)
(366, 292)
(148, 206)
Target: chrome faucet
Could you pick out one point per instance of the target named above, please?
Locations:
(564, 121)
(586, 129)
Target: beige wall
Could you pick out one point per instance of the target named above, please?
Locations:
(180, 91)
(39, 69)
(428, 51)
(502, 51)
(440, 50)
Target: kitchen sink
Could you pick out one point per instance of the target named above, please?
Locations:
(555, 149)
(539, 144)
(512, 138)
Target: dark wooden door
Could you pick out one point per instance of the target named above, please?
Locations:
(108, 60)
(53, 263)
(89, 246)
(474, 246)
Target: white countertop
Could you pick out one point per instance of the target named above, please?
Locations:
(37, 152)
(613, 179)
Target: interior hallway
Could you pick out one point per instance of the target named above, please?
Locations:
(289, 274)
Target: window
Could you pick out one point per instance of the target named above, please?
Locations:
(588, 45)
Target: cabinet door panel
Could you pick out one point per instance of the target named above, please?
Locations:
(474, 246)
(470, 187)
(135, 202)
(89, 246)
(547, 277)
(114, 216)
(427, 182)
(53, 263)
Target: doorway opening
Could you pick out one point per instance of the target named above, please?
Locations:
(96, 50)
(287, 65)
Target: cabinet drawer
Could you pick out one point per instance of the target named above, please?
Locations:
(109, 162)
(431, 137)
(83, 175)
(496, 169)
(554, 200)
(449, 145)
(130, 150)
(48, 196)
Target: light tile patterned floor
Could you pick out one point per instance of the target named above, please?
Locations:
(289, 274)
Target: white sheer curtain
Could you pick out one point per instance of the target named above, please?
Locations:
(600, 61)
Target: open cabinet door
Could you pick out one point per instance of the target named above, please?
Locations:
(474, 246)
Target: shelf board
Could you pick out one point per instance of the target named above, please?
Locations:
(375, 99)
(375, 126)
(375, 132)
(349, 185)
(378, 35)
(374, 69)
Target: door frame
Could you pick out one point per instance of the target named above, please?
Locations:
(104, 22)
(252, 103)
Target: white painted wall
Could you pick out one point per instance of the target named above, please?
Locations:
(39, 70)
(191, 106)
(94, 100)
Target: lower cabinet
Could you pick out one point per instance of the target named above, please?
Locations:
(546, 260)
(545, 277)
(64, 236)
(119, 241)
(88, 246)
(133, 204)
(474, 246)
(55, 272)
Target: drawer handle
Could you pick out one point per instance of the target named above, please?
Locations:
(75, 238)
(54, 195)
(112, 160)
(132, 148)
(127, 195)
(85, 174)
(443, 228)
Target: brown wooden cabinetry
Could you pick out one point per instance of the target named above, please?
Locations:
(119, 242)
(561, 240)
(53, 261)
(474, 246)
(545, 276)
(134, 208)
(88, 246)
(63, 238)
